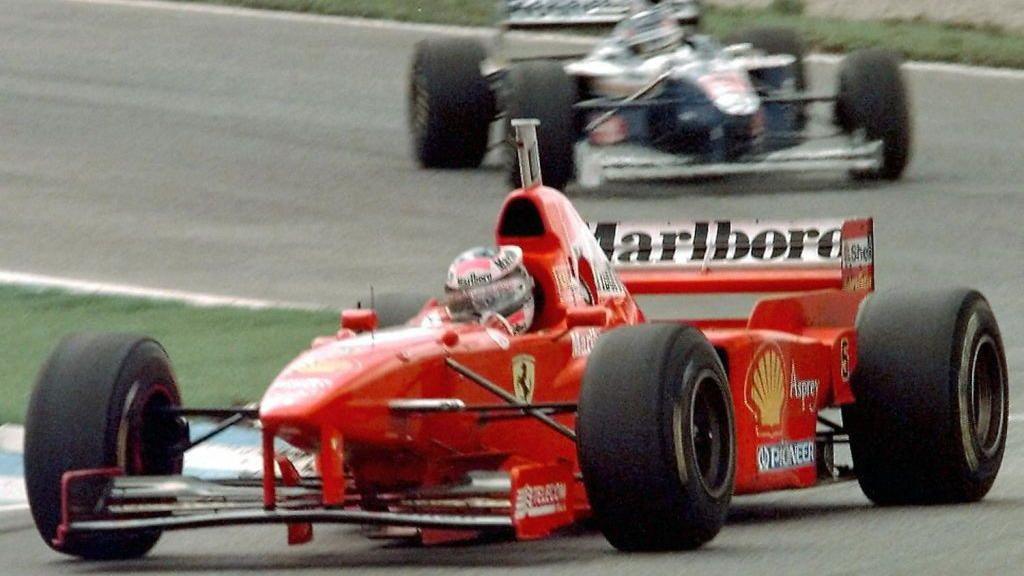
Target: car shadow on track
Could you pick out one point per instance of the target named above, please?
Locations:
(735, 186)
(577, 545)
(580, 543)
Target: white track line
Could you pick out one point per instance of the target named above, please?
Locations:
(12, 438)
(13, 508)
(236, 11)
(14, 278)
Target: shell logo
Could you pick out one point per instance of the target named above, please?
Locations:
(766, 389)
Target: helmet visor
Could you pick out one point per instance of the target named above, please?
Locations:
(503, 296)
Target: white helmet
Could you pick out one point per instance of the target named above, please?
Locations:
(651, 31)
(484, 283)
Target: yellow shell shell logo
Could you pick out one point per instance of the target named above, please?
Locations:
(768, 388)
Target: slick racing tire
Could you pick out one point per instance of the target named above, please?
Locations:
(872, 97)
(96, 404)
(395, 308)
(656, 438)
(780, 40)
(450, 105)
(543, 91)
(929, 422)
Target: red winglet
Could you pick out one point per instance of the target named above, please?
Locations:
(66, 481)
(540, 500)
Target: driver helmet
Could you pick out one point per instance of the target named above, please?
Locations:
(652, 30)
(491, 285)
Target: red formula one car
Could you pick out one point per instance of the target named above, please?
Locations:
(448, 429)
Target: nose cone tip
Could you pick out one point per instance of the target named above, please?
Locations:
(288, 397)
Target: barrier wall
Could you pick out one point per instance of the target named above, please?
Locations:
(1008, 14)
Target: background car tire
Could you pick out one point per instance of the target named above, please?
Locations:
(93, 407)
(872, 96)
(656, 439)
(780, 40)
(929, 423)
(395, 308)
(543, 90)
(450, 105)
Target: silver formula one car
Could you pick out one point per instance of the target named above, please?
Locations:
(656, 99)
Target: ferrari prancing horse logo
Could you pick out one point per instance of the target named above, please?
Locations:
(523, 377)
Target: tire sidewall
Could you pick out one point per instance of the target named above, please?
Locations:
(89, 388)
(641, 475)
(700, 500)
(978, 324)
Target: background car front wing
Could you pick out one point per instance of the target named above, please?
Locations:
(597, 164)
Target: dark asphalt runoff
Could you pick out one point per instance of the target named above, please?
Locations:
(269, 159)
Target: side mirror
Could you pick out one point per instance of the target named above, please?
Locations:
(587, 316)
(359, 319)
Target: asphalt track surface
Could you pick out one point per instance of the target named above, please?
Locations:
(269, 159)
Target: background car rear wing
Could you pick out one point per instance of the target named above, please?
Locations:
(539, 14)
(731, 256)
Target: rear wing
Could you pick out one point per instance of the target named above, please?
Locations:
(541, 14)
(730, 256)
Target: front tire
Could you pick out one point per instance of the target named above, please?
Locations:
(872, 97)
(929, 422)
(96, 404)
(542, 90)
(656, 438)
(450, 105)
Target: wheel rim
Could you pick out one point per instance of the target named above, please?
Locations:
(986, 393)
(708, 436)
(150, 434)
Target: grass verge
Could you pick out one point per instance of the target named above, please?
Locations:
(916, 40)
(222, 356)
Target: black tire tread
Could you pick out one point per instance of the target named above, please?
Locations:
(71, 423)
(460, 103)
(873, 96)
(627, 457)
(906, 445)
(543, 90)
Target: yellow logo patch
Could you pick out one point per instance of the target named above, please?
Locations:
(325, 366)
(523, 378)
(766, 389)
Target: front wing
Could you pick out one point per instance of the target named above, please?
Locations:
(597, 164)
(528, 502)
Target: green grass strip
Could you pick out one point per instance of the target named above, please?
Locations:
(222, 356)
(917, 40)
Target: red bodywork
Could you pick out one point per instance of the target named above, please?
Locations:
(335, 398)
(399, 426)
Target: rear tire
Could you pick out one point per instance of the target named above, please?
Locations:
(872, 96)
(450, 104)
(929, 423)
(94, 406)
(656, 438)
(542, 90)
